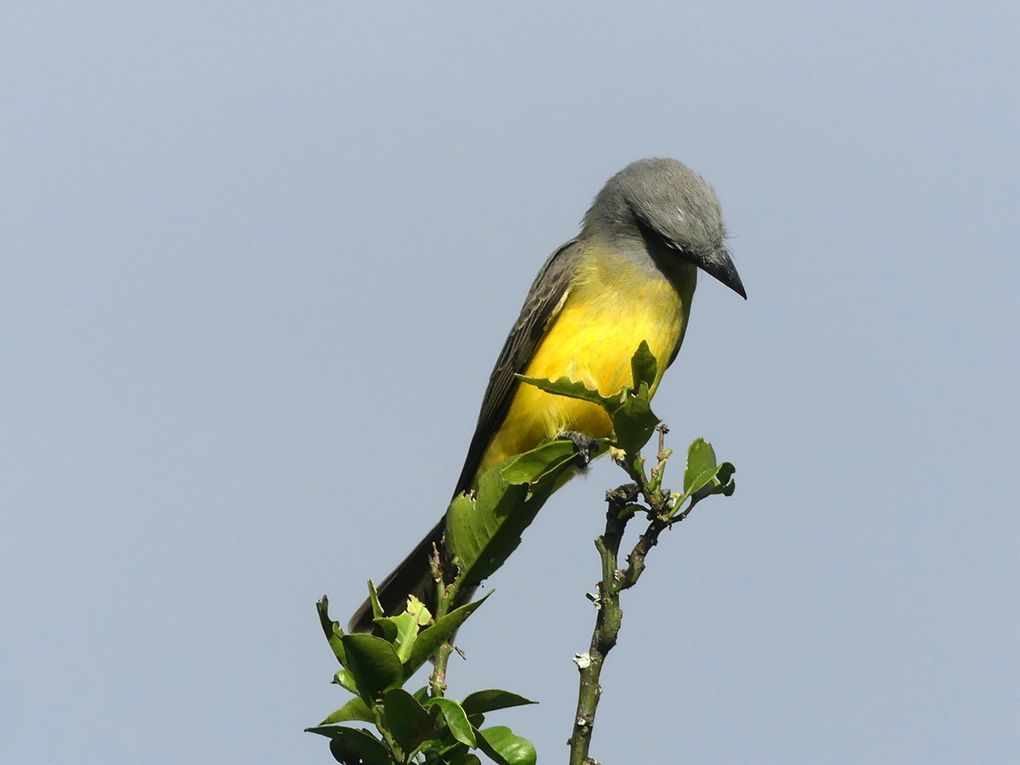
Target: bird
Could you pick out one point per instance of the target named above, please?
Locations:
(628, 276)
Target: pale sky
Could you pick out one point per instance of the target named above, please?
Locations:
(256, 262)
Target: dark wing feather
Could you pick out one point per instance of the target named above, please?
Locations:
(540, 307)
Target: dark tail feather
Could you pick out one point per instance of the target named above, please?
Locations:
(412, 577)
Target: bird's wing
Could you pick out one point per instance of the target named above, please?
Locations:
(541, 306)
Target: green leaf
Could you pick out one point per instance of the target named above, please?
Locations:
(345, 679)
(331, 629)
(729, 485)
(634, 421)
(439, 752)
(418, 610)
(701, 465)
(385, 627)
(353, 747)
(703, 476)
(720, 482)
(456, 719)
(373, 598)
(355, 709)
(564, 386)
(643, 366)
(351, 751)
(407, 625)
(487, 701)
(539, 463)
(359, 748)
(430, 638)
(500, 744)
(432, 757)
(725, 476)
(421, 694)
(406, 719)
(482, 531)
(466, 759)
(374, 664)
(701, 483)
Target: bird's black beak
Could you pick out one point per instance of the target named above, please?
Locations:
(720, 265)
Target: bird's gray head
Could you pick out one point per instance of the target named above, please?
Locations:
(665, 199)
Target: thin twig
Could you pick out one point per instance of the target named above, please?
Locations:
(607, 623)
(446, 594)
(608, 620)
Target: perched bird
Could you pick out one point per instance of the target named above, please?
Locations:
(628, 276)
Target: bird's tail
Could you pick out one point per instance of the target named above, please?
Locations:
(412, 577)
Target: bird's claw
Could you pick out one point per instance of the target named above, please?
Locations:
(586, 446)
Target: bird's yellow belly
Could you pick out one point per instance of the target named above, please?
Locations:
(591, 341)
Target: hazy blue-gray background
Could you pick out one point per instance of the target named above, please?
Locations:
(257, 261)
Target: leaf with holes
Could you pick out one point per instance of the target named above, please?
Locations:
(430, 638)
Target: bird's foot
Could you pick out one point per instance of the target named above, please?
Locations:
(587, 447)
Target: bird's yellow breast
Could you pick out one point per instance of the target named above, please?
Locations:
(610, 307)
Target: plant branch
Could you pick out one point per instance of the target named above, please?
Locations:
(447, 593)
(391, 741)
(661, 513)
(607, 621)
(636, 558)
